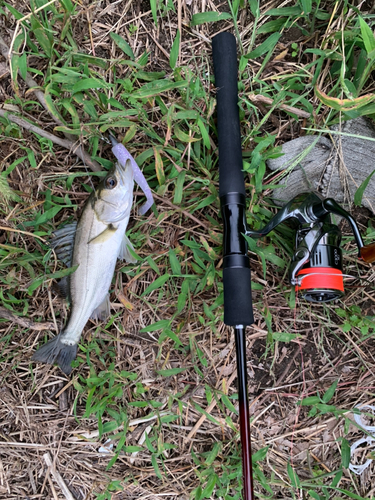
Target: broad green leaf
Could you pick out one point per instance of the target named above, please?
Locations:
(179, 188)
(206, 202)
(209, 17)
(123, 45)
(314, 495)
(117, 123)
(158, 325)
(131, 449)
(213, 453)
(149, 444)
(170, 372)
(285, 336)
(306, 6)
(228, 403)
(338, 476)
(118, 114)
(150, 76)
(311, 400)
(175, 50)
(43, 40)
(272, 26)
(367, 36)
(359, 193)
(187, 114)
(294, 479)
(157, 87)
(68, 5)
(345, 453)
(86, 58)
(205, 136)
(110, 426)
(22, 65)
(260, 454)
(48, 215)
(324, 408)
(158, 283)
(207, 415)
(51, 105)
(154, 461)
(209, 488)
(175, 264)
(328, 395)
(154, 11)
(254, 7)
(15, 12)
(87, 84)
(265, 47)
(171, 335)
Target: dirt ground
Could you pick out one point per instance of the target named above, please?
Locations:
(51, 445)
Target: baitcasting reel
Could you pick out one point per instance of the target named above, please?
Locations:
(316, 267)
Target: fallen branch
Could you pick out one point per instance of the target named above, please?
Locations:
(59, 480)
(65, 143)
(258, 98)
(25, 322)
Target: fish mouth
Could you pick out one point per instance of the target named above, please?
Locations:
(122, 170)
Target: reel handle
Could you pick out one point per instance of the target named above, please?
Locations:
(367, 253)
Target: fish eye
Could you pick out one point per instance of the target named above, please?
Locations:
(110, 182)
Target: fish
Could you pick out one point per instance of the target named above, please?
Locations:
(93, 245)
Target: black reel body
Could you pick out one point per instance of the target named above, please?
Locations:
(316, 269)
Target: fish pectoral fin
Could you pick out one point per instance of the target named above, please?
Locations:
(62, 242)
(103, 311)
(64, 288)
(104, 236)
(124, 253)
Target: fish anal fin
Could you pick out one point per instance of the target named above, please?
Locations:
(103, 311)
(104, 236)
(124, 253)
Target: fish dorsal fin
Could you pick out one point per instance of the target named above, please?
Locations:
(124, 253)
(104, 236)
(62, 242)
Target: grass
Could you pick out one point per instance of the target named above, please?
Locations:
(158, 379)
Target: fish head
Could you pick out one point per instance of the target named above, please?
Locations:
(114, 195)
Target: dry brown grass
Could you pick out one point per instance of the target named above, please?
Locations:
(42, 411)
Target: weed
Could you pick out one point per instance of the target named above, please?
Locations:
(164, 355)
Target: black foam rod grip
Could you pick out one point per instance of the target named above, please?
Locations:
(238, 307)
(228, 123)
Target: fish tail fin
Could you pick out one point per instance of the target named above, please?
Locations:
(56, 351)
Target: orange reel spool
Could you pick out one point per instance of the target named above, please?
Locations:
(320, 284)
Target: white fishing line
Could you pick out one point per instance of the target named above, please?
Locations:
(369, 440)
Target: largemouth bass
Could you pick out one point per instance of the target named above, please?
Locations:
(94, 245)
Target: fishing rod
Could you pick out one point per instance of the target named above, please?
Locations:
(238, 308)
(316, 269)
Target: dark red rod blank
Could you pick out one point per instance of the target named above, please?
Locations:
(243, 400)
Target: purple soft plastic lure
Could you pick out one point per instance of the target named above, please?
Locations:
(122, 154)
